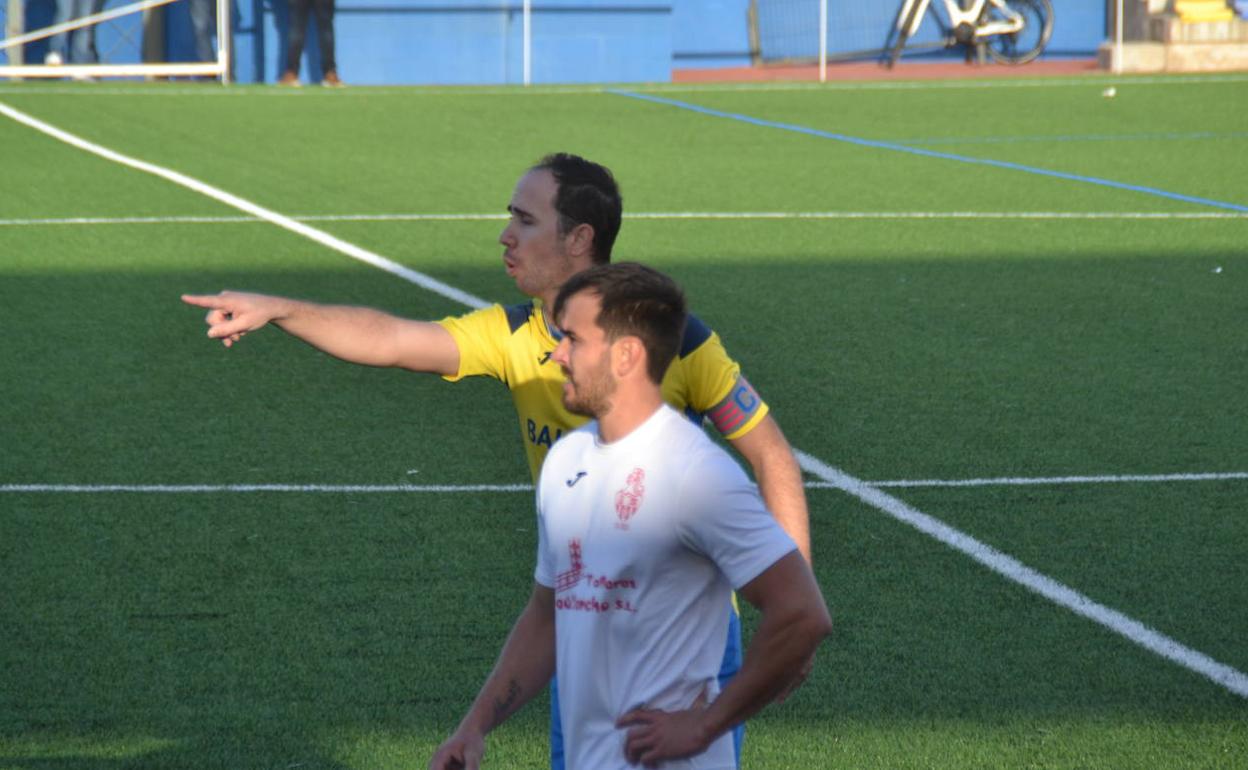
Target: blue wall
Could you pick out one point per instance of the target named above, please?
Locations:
(457, 42)
(574, 41)
(422, 41)
(710, 33)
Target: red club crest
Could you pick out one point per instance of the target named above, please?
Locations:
(628, 499)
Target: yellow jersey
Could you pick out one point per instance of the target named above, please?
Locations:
(514, 343)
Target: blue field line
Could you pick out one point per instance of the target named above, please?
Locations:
(1168, 137)
(880, 145)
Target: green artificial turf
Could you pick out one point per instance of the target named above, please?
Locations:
(352, 629)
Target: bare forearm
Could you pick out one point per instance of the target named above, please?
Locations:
(358, 335)
(780, 482)
(776, 655)
(794, 621)
(779, 479)
(524, 668)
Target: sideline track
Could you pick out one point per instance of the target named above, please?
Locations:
(917, 84)
(1225, 676)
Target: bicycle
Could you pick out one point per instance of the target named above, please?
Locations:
(1013, 31)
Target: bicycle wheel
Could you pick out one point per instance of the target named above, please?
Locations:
(1026, 44)
(905, 16)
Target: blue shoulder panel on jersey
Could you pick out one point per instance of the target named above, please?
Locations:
(518, 315)
(696, 333)
(693, 416)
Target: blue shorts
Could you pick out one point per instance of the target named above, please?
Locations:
(727, 670)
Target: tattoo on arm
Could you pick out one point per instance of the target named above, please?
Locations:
(504, 706)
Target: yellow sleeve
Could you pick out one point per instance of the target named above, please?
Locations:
(718, 391)
(480, 336)
(709, 373)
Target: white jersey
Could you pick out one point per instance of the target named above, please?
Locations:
(643, 541)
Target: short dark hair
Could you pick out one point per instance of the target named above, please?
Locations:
(637, 301)
(586, 194)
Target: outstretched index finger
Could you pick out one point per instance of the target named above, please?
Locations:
(204, 300)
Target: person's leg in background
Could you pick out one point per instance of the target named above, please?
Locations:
(203, 24)
(324, 10)
(81, 44)
(58, 44)
(294, 41)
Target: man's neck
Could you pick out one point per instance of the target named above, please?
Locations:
(547, 298)
(628, 413)
(577, 265)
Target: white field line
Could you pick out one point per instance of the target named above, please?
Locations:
(174, 489)
(1224, 675)
(1023, 481)
(407, 92)
(1014, 570)
(247, 207)
(179, 489)
(643, 215)
(236, 220)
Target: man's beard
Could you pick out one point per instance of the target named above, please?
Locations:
(592, 397)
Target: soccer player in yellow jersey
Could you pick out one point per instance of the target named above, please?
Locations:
(513, 344)
(565, 215)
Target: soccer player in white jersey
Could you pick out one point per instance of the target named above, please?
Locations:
(645, 527)
(565, 214)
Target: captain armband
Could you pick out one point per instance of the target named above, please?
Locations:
(736, 409)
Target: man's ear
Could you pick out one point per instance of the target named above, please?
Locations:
(580, 241)
(628, 355)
